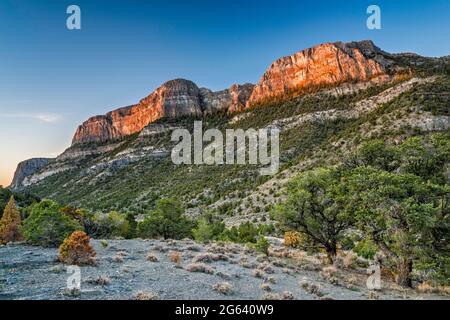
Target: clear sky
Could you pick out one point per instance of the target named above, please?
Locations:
(52, 79)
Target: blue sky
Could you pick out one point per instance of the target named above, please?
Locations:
(52, 79)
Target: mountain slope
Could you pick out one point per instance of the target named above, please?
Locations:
(326, 100)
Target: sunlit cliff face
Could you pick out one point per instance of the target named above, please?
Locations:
(326, 64)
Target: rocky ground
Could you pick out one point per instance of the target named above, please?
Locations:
(158, 269)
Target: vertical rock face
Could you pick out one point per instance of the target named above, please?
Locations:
(326, 64)
(27, 168)
(231, 100)
(173, 99)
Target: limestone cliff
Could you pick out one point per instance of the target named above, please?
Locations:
(173, 99)
(27, 168)
(324, 65)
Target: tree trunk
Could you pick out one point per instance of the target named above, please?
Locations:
(404, 269)
(331, 253)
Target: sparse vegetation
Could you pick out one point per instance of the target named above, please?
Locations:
(47, 226)
(176, 258)
(359, 189)
(76, 250)
(152, 257)
(166, 220)
(223, 288)
(10, 223)
(199, 267)
(141, 295)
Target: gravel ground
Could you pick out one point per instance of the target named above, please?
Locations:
(124, 272)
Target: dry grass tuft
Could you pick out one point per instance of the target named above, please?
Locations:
(271, 280)
(160, 248)
(223, 288)
(152, 257)
(100, 281)
(426, 287)
(266, 267)
(209, 257)
(279, 263)
(287, 295)
(141, 295)
(330, 274)
(175, 257)
(258, 273)
(372, 295)
(199, 267)
(312, 288)
(244, 263)
(265, 287)
(223, 275)
(351, 282)
(347, 260)
(118, 258)
(271, 296)
(193, 248)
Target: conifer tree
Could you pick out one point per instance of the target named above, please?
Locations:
(10, 223)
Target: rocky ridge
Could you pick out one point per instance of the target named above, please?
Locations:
(326, 64)
(323, 65)
(27, 168)
(341, 68)
(173, 99)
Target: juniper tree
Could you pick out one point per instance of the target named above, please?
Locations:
(10, 223)
(316, 207)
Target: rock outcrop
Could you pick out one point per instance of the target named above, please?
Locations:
(324, 65)
(233, 99)
(27, 168)
(174, 98)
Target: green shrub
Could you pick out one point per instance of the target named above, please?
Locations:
(366, 249)
(208, 229)
(262, 245)
(47, 226)
(111, 225)
(166, 221)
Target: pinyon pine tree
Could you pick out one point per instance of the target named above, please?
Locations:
(10, 222)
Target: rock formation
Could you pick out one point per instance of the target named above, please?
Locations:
(173, 99)
(27, 168)
(324, 65)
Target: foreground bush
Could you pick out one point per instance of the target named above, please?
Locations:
(316, 205)
(47, 226)
(76, 250)
(10, 223)
(208, 228)
(111, 225)
(262, 245)
(292, 239)
(166, 221)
